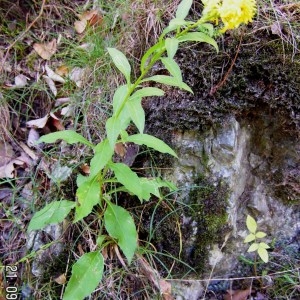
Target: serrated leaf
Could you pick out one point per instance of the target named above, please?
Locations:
(88, 195)
(260, 234)
(69, 136)
(120, 62)
(264, 245)
(172, 66)
(183, 9)
(127, 177)
(120, 225)
(263, 254)
(253, 247)
(249, 238)
(137, 113)
(103, 154)
(146, 92)
(169, 80)
(198, 37)
(119, 97)
(251, 224)
(113, 128)
(171, 46)
(86, 275)
(152, 142)
(53, 213)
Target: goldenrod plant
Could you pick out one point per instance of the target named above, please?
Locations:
(107, 178)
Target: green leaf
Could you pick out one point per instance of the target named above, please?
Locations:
(249, 238)
(183, 9)
(149, 52)
(86, 275)
(81, 179)
(103, 154)
(52, 213)
(251, 224)
(120, 225)
(152, 142)
(127, 177)
(260, 234)
(100, 239)
(70, 136)
(169, 80)
(137, 113)
(263, 254)
(198, 37)
(119, 97)
(121, 62)
(172, 66)
(113, 128)
(264, 245)
(171, 46)
(253, 247)
(207, 28)
(146, 92)
(88, 195)
(151, 186)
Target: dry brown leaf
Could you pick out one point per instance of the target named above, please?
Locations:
(6, 153)
(85, 169)
(51, 84)
(237, 294)
(77, 75)
(120, 149)
(80, 26)
(55, 77)
(38, 123)
(20, 81)
(67, 111)
(60, 101)
(33, 136)
(61, 279)
(28, 151)
(7, 171)
(62, 70)
(46, 50)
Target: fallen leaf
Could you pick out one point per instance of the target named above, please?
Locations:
(67, 111)
(38, 123)
(45, 50)
(61, 279)
(55, 77)
(85, 169)
(51, 84)
(120, 149)
(33, 136)
(62, 70)
(7, 170)
(237, 294)
(20, 81)
(61, 101)
(6, 153)
(28, 151)
(77, 75)
(80, 26)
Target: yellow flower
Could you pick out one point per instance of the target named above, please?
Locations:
(211, 10)
(232, 12)
(235, 12)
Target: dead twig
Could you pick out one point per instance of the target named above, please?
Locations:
(22, 34)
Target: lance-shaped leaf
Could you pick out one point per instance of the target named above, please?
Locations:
(119, 97)
(88, 195)
(70, 136)
(183, 9)
(149, 53)
(251, 224)
(152, 142)
(120, 225)
(120, 62)
(169, 80)
(137, 113)
(52, 213)
(198, 37)
(172, 66)
(103, 154)
(260, 234)
(113, 128)
(127, 177)
(263, 254)
(171, 46)
(146, 92)
(86, 275)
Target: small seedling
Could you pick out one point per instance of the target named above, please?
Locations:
(253, 236)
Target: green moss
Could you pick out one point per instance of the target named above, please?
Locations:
(208, 209)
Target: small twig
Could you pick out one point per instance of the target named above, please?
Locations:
(221, 83)
(22, 34)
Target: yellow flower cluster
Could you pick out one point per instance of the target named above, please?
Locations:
(231, 12)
